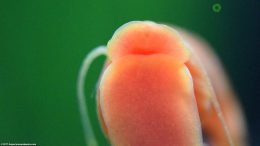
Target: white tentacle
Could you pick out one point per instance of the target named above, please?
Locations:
(88, 131)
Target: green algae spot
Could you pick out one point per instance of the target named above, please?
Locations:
(216, 7)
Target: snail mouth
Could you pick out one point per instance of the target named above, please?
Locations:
(146, 38)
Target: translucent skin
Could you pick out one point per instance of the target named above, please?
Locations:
(204, 64)
(146, 94)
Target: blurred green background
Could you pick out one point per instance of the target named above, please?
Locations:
(43, 43)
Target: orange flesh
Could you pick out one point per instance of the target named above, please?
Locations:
(148, 101)
(146, 93)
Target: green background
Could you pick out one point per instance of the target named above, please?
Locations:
(43, 43)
